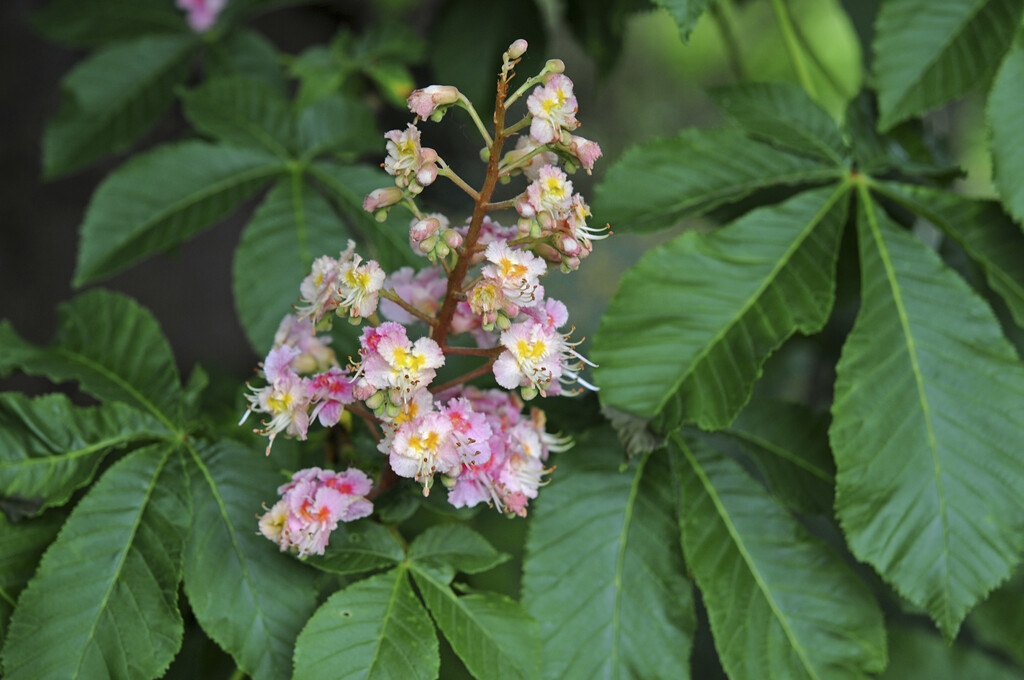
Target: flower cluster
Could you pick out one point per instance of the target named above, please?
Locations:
(480, 295)
(311, 506)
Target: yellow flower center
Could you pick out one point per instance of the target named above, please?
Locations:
(532, 353)
(408, 360)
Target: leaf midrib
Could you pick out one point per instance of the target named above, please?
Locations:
(73, 454)
(890, 272)
(783, 453)
(768, 280)
(723, 513)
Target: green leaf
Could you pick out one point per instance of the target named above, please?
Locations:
(693, 322)
(928, 52)
(1005, 109)
(981, 228)
(248, 597)
(782, 114)
(161, 198)
(347, 186)
(242, 111)
(337, 124)
(24, 543)
(93, 23)
(357, 548)
(781, 604)
(789, 445)
(247, 53)
(112, 346)
(492, 634)
(293, 226)
(685, 13)
(104, 601)
(49, 448)
(375, 628)
(656, 185)
(920, 655)
(447, 548)
(603, 573)
(112, 98)
(999, 621)
(926, 389)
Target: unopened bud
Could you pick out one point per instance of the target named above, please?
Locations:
(453, 238)
(517, 49)
(524, 224)
(393, 410)
(548, 252)
(442, 250)
(555, 66)
(375, 401)
(422, 229)
(304, 363)
(428, 244)
(381, 198)
(448, 482)
(502, 322)
(529, 392)
(431, 100)
(485, 154)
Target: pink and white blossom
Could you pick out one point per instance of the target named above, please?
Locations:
(424, 446)
(412, 164)
(424, 290)
(515, 271)
(553, 107)
(426, 101)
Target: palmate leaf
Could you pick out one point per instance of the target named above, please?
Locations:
(783, 114)
(161, 198)
(447, 548)
(603, 573)
(374, 628)
(248, 597)
(24, 543)
(112, 346)
(242, 111)
(920, 655)
(492, 634)
(685, 13)
(926, 429)
(1005, 109)
(49, 448)
(692, 323)
(928, 52)
(782, 605)
(112, 98)
(357, 548)
(981, 228)
(655, 185)
(336, 124)
(104, 600)
(292, 227)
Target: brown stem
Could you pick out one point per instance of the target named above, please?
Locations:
(475, 373)
(368, 418)
(502, 205)
(387, 478)
(476, 351)
(390, 294)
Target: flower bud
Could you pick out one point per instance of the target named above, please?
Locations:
(305, 363)
(453, 238)
(548, 253)
(426, 102)
(442, 250)
(422, 229)
(428, 244)
(375, 401)
(529, 392)
(448, 482)
(554, 66)
(393, 410)
(517, 49)
(381, 198)
(503, 322)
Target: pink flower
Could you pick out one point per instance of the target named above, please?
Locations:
(330, 391)
(411, 164)
(515, 271)
(422, 447)
(202, 14)
(298, 332)
(391, 362)
(311, 506)
(343, 285)
(426, 101)
(550, 193)
(532, 358)
(287, 402)
(586, 151)
(553, 107)
(381, 198)
(424, 290)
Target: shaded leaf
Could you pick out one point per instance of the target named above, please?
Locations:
(292, 227)
(247, 53)
(1005, 110)
(159, 199)
(446, 548)
(920, 655)
(685, 13)
(925, 429)
(24, 543)
(112, 346)
(981, 228)
(781, 604)
(49, 448)
(375, 628)
(248, 597)
(104, 601)
(110, 99)
(603, 574)
(999, 620)
(692, 323)
(655, 185)
(243, 111)
(789, 444)
(92, 23)
(492, 634)
(359, 547)
(782, 114)
(337, 124)
(928, 52)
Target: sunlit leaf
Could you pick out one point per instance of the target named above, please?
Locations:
(453, 547)
(925, 429)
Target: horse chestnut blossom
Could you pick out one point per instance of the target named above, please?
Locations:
(480, 295)
(202, 14)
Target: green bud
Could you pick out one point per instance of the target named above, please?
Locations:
(529, 392)
(375, 401)
(485, 154)
(393, 410)
(503, 322)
